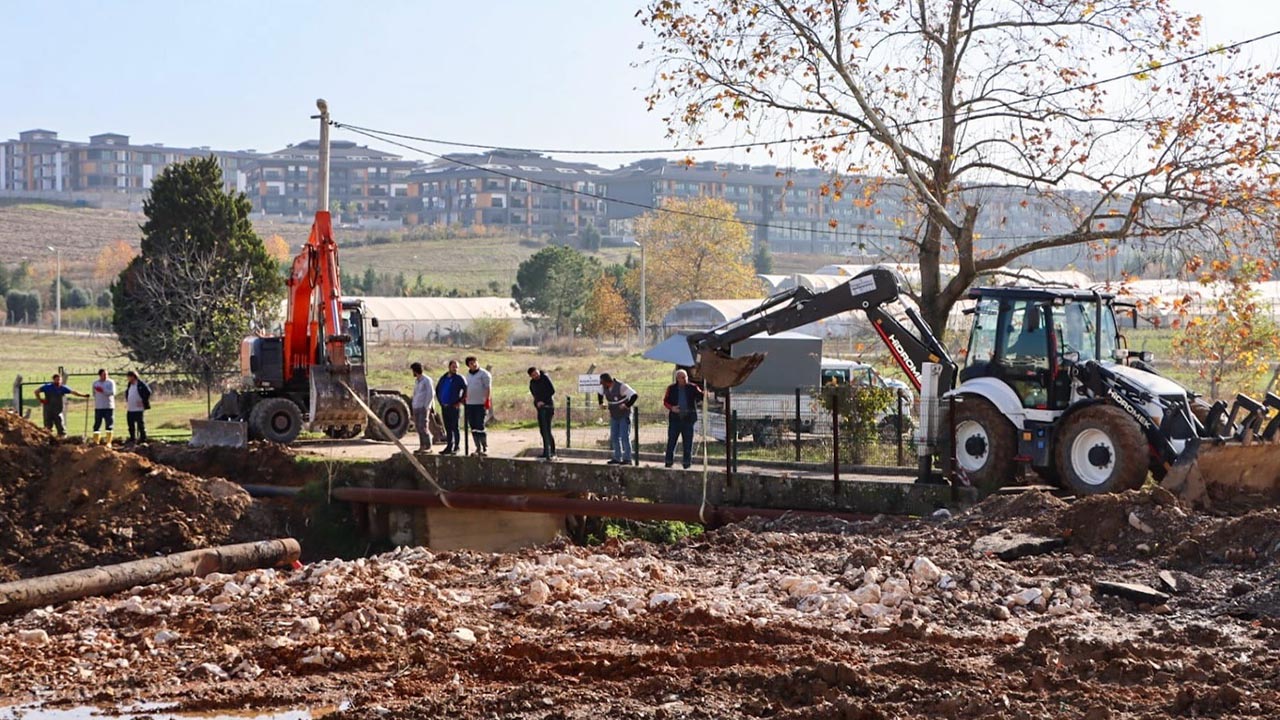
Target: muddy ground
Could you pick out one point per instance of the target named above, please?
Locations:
(886, 618)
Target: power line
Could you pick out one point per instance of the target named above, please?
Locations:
(377, 135)
(1155, 67)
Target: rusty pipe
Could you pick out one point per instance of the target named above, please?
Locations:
(554, 505)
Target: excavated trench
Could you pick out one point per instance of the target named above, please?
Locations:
(790, 618)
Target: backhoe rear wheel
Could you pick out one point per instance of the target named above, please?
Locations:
(1100, 449)
(985, 443)
(276, 419)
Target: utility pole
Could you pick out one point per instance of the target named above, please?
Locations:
(643, 310)
(57, 290)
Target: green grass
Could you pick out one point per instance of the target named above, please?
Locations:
(36, 355)
(468, 264)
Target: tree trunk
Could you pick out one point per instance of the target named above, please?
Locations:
(36, 592)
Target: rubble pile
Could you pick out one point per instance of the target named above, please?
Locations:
(878, 619)
(1025, 606)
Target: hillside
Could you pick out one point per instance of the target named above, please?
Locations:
(468, 264)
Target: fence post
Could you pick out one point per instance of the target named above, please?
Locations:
(466, 433)
(899, 424)
(568, 422)
(733, 465)
(730, 432)
(835, 438)
(797, 424)
(17, 395)
(635, 429)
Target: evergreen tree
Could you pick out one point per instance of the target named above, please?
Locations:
(203, 279)
(763, 259)
(555, 284)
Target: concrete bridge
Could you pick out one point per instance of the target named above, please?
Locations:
(582, 475)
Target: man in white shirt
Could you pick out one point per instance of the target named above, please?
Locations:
(423, 395)
(104, 407)
(478, 401)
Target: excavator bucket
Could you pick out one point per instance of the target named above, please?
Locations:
(1225, 472)
(331, 404)
(722, 371)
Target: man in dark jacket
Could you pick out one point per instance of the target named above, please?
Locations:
(681, 401)
(137, 400)
(543, 393)
(451, 391)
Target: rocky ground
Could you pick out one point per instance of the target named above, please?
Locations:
(1002, 611)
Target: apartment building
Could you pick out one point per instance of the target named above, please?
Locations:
(527, 193)
(38, 161)
(363, 182)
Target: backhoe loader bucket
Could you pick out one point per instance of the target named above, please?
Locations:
(331, 404)
(1224, 472)
(722, 371)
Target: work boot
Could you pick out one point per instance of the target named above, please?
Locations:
(107, 438)
(97, 438)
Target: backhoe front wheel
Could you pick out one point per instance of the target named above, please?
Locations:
(1100, 449)
(985, 443)
(276, 419)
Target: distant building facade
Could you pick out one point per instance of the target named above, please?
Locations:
(363, 182)
(525, 193)
(791, 210)
(38, 161)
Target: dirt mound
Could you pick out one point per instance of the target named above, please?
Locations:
(65, 506)
(262, 463)
(1018, 506)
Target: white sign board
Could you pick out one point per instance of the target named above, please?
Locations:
(589, 384)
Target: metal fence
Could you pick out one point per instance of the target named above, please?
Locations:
(23, 400)
(795, 428)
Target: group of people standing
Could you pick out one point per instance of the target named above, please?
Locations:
(137, 398)
(472, 394)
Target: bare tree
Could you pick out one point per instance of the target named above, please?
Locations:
(959, 102)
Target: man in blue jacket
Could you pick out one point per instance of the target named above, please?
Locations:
(451, 391)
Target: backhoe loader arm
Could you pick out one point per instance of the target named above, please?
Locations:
(868, 291)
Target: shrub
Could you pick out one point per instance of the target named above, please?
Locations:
(491, 332)
(860, 409)
(22, 307)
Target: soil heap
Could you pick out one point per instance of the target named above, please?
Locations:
(65, 505)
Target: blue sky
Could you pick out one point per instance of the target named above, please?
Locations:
(235, 74)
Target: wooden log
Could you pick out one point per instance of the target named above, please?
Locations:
(21, 595)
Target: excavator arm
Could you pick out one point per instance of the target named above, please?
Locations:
(870, 292)
(313, 331)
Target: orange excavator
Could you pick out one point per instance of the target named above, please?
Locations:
(313, 372)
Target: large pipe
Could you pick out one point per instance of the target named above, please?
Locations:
(554, 505)
(36, 592)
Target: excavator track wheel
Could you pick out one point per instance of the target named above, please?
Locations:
(276, 419)
(1100, 449)
(985, 443)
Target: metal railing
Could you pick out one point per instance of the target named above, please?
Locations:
(794, 430)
